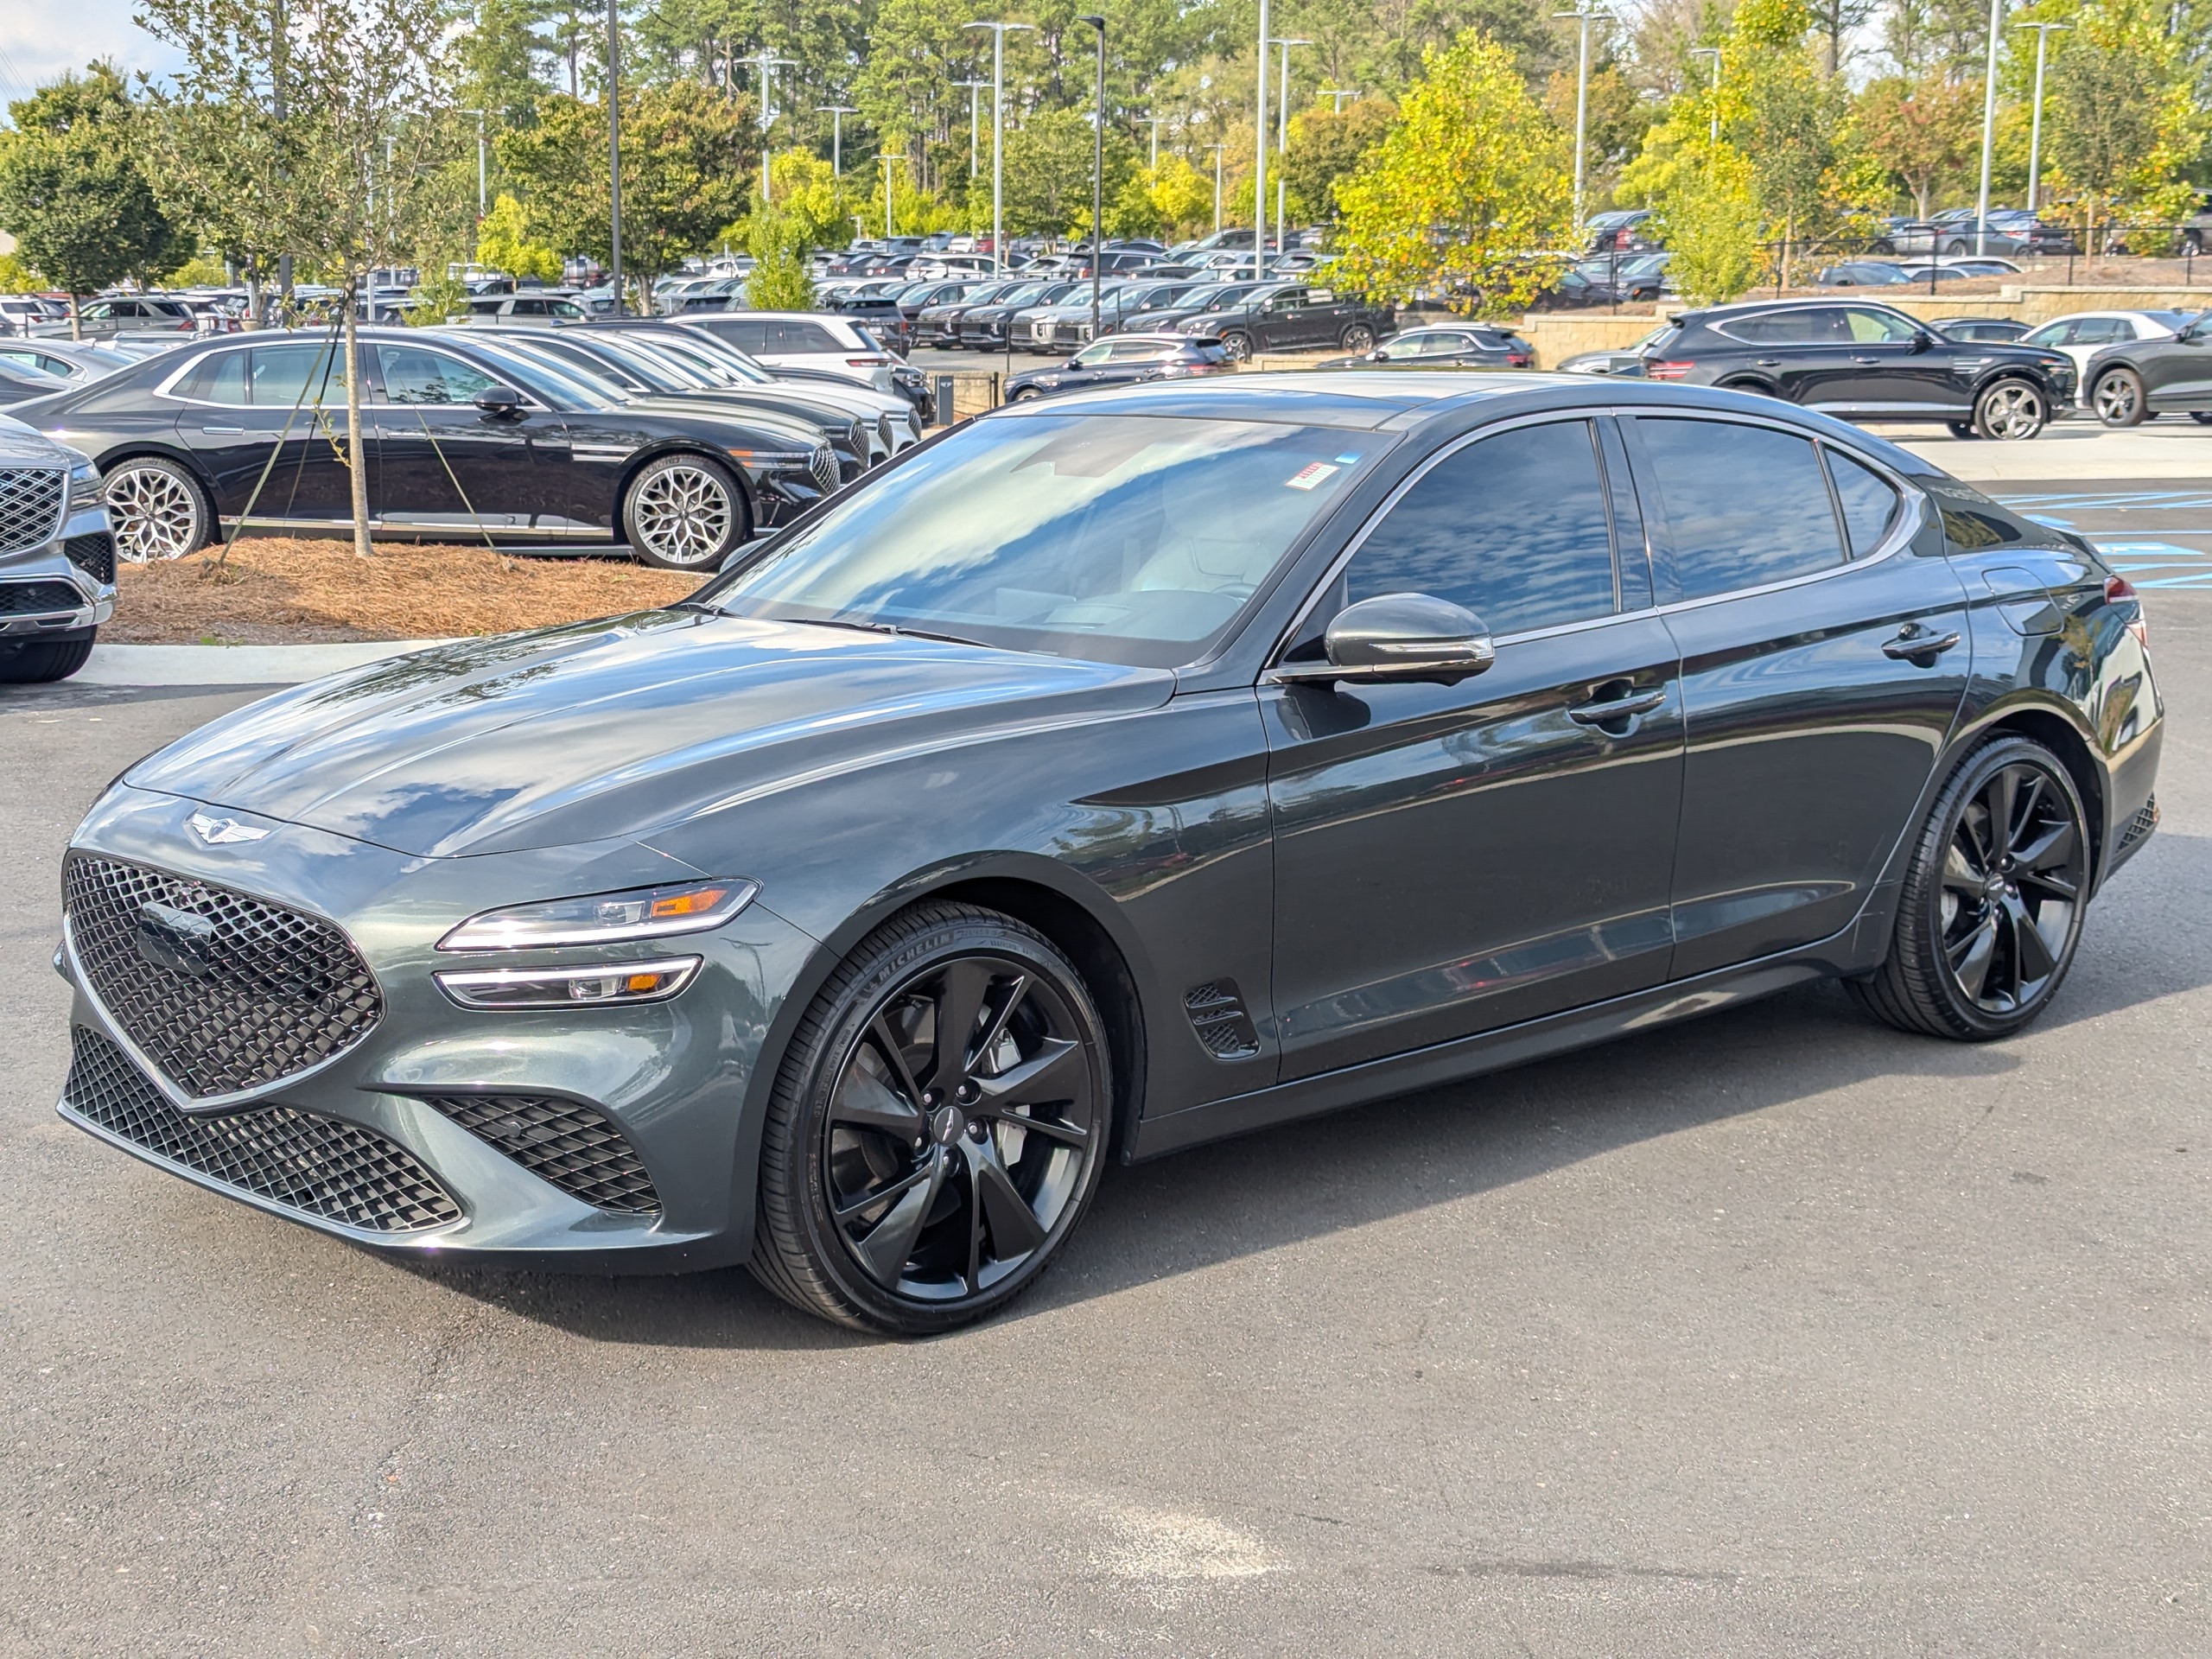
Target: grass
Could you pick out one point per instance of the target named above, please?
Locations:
(278, 590)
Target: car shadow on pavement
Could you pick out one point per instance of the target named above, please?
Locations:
(1304, 1181)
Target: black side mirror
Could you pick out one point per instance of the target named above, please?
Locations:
(1380, 354)
(1924, 341)
(498, 401)
(1397, 638)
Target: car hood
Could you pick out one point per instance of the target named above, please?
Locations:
(613, 728)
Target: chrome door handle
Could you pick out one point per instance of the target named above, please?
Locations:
(1915, 645)
(1766, 362)
(1857, 358)
(221, 431)
(1616, 709)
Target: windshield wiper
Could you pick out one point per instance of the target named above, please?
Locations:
(897, 633)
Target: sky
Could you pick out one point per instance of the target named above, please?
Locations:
(39, 39)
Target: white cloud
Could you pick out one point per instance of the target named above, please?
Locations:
(40, 39)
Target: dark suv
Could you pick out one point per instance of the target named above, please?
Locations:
(1866, 362)
(1291, 317)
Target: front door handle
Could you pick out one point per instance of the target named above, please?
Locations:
(1615, 711)
(1857, 358)
(1766, 362)
(1917, 645)
(223, 432)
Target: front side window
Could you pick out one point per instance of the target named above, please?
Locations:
(1745, 505)
(1512, 527)
(412, 375)
(2052, 334)
(1873, 327)
(1109, 537)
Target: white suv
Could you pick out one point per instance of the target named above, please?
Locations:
(804, 339)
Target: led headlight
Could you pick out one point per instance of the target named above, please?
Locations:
(564, 988)
(605, 918)
(84, 486)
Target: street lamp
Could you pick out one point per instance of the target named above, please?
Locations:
(2034, 123)
(1098, 172)
(1259, 154)
(1282, 132)
(998, 139)
(1988, 131)
(1337, 94)
(886, 161)
(1155, 123)
(1712, 52)
(974, 88)
(767, 63)
(1586, 14)
(837, 112)
(1217, 187)
(479, 114)
(614, 149)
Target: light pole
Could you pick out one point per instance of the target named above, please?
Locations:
(1712, 52)
(1217, 187)
(1282, 132)
(767, 63)
(1588, 15)
(998, 139)
(2034, 122)
(479, 114)
(1098, 172)
(614, 149)
(1337, 95)
(1260, 155)
(975, 120)
(886, 161)
(1988, 133)
(837, 112)
(1154, 122)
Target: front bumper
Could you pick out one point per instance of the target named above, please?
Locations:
(528, 1133)
(62, 587)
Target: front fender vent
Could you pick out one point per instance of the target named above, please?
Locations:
(1218, 1016)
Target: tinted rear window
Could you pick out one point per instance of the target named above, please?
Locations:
(1869, 501)
(1745, 505)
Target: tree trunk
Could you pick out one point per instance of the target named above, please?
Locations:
(354, 459)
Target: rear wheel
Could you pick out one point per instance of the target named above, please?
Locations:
(1961, 428)
(937, 1126)
(1237, 347)
(2011, 411)
(2118, 397)
(157, 509)
(41, 662)
(2201, 417)
(1025, 395)
(1758, 386)
(684, 512)
(1992, 905)
(1356, 337)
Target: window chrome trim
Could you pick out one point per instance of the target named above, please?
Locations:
(1901, 536)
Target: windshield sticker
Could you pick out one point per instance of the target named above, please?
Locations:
(1311, 474)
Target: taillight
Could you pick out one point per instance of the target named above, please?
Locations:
(866, 362)
(2118, 589)
(1667, 370)
(1518, 361)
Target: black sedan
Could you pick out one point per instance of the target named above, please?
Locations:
(2138, 379)
(1469, 346)
(1865, 361)
(464, 439)
(1123, 359)
(1108, 776)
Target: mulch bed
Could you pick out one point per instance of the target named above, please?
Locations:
(278, 590)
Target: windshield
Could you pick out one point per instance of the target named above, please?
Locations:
(1114, 538)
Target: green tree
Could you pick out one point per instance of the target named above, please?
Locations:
(1711, 223)
(503, 244)
(71, 191)
(1472, 178)
(2119, 119)
(687, 157)
(1921, 133)
(1783, 114)
(1326, 145)
(1048, 174)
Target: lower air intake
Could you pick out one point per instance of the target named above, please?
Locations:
(318, 1166)
(561, 1141)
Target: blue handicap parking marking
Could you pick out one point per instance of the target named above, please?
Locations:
(2177, 566)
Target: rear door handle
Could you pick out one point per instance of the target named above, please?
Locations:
(1614, 711)
(1857, 358)
(1915, 644)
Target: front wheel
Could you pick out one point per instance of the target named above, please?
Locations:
(41, 662)
(684, 512)
(1991, 909)
(2010, 411)
(2118, 397)
(937, 1126)
(1025, 395)
(1358, 338)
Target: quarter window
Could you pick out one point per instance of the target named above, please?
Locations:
(218, 378)
(1870, 503)
(1745, 505)
(1513, 527)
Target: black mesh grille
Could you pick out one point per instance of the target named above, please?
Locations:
(2145, 820)
(95, 555)
(1217, 1015)
(37, 598)
(561, 1141)
(30, 505)
(221, 991)
(317, 1165)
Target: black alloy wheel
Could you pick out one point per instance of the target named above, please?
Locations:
(2118, 397)
(2011, 411)
(1237, 347)
(937, 1126)
(1991, 906)
(1356, 337)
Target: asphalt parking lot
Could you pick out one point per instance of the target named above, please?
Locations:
(1775, 1334)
